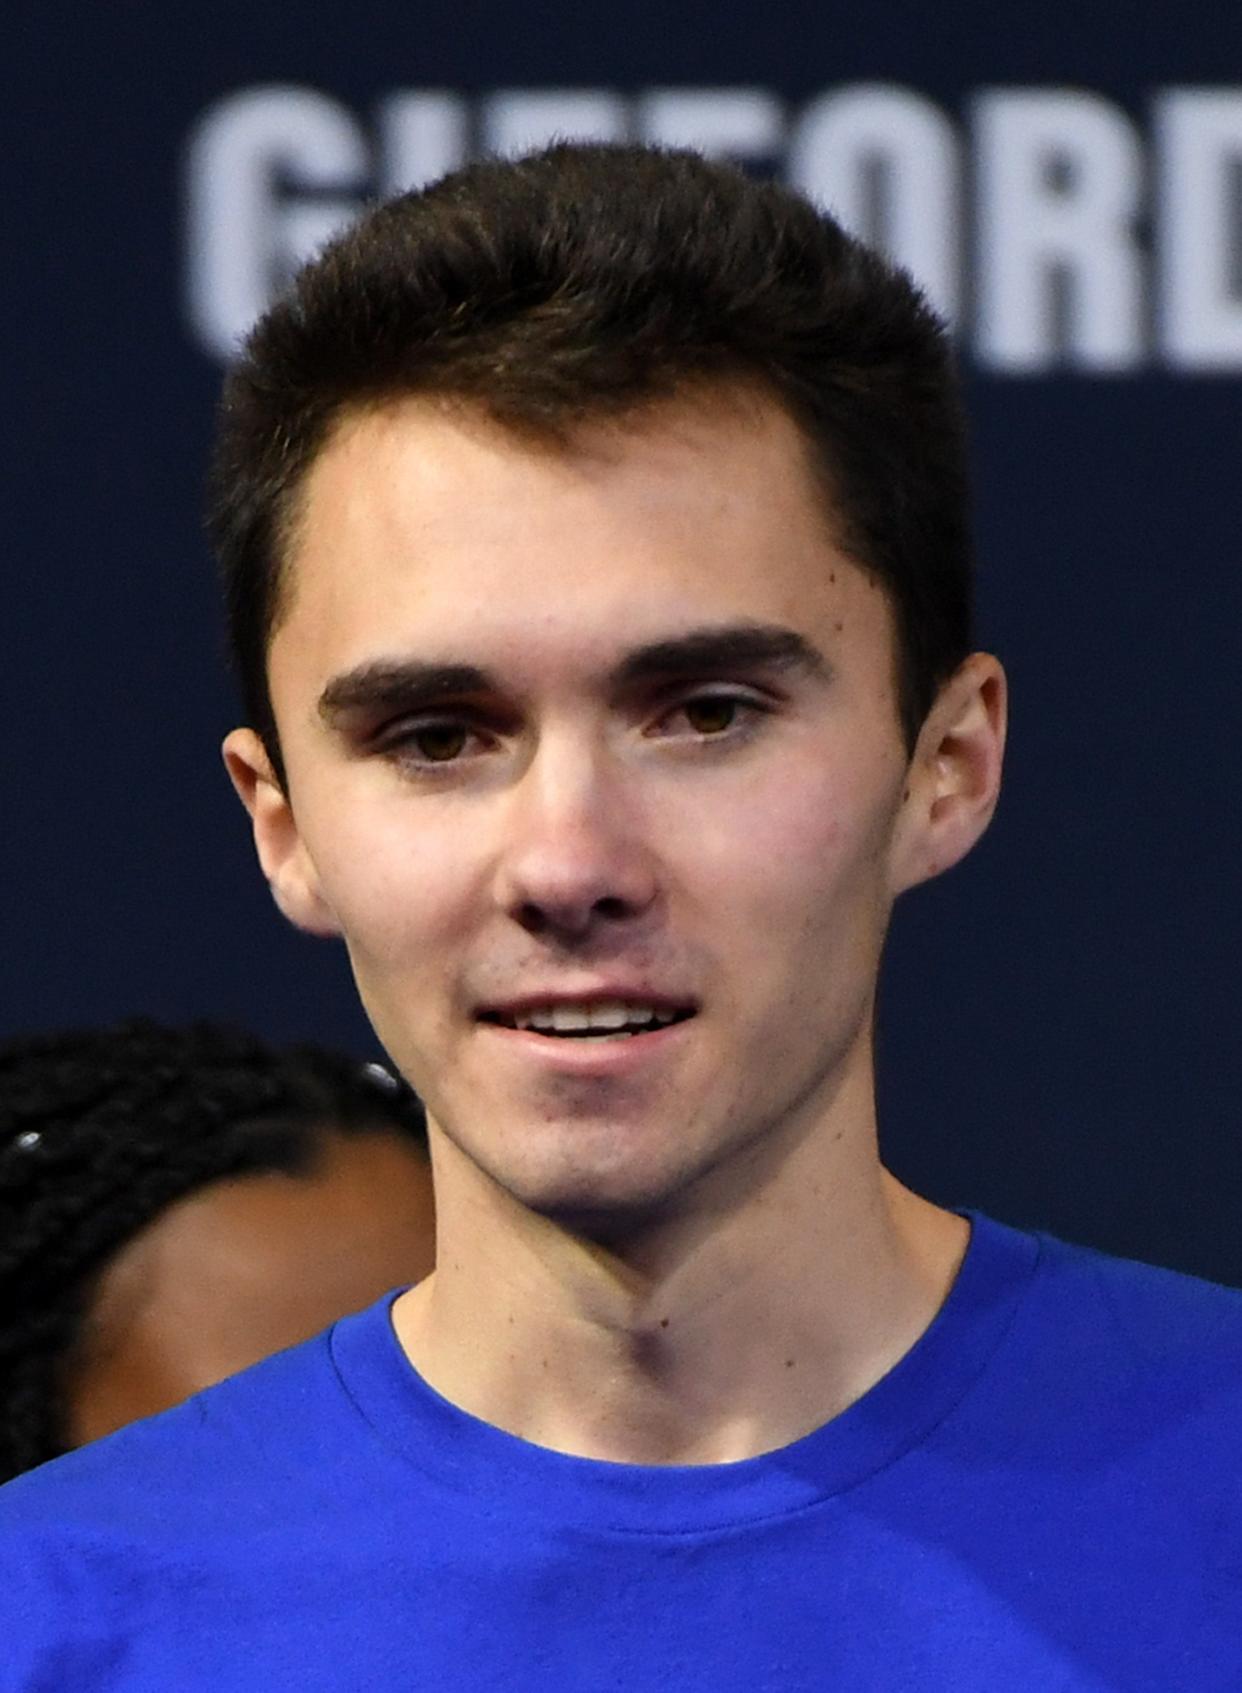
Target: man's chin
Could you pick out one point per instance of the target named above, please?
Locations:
(602, 1178)
(605, 1205)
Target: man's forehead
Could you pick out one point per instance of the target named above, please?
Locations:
(407, 529)
(695, 431)
(600, 429)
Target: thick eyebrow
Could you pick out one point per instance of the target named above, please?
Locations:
(716, 650)
(385, 685)
(391, 685)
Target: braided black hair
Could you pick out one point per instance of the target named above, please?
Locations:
(101, 1130)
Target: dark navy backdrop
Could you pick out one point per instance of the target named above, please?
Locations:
(1058, 1021)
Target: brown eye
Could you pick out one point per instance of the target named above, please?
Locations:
(439, 743)
(710, 716)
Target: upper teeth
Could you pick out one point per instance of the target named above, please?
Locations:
(605, 1014)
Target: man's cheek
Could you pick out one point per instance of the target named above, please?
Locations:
(797, 852)
(373, 889)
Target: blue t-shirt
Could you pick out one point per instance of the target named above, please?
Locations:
(1043, 1494)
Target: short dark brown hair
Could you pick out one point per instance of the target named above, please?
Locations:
(583, 281)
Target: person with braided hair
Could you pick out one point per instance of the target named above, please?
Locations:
(177, 1203)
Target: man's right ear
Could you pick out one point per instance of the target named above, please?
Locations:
(292, 877)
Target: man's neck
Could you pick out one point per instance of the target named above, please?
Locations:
(702, 1340)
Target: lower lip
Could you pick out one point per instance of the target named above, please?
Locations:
(590, 1055)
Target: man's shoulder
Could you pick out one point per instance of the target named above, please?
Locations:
(206, 1536)
(1156, 1312)
(201, 1460)
(1101, 1341)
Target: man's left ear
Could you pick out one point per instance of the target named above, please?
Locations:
(954, 776)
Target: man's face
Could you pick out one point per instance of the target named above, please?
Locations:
(602, 734)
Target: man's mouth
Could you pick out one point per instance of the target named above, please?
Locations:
(605, 1019)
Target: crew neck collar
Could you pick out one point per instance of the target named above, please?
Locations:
(505, 1473)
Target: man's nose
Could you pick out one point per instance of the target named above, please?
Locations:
(574, 857)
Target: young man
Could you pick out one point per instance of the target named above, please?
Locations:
(594, 530)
